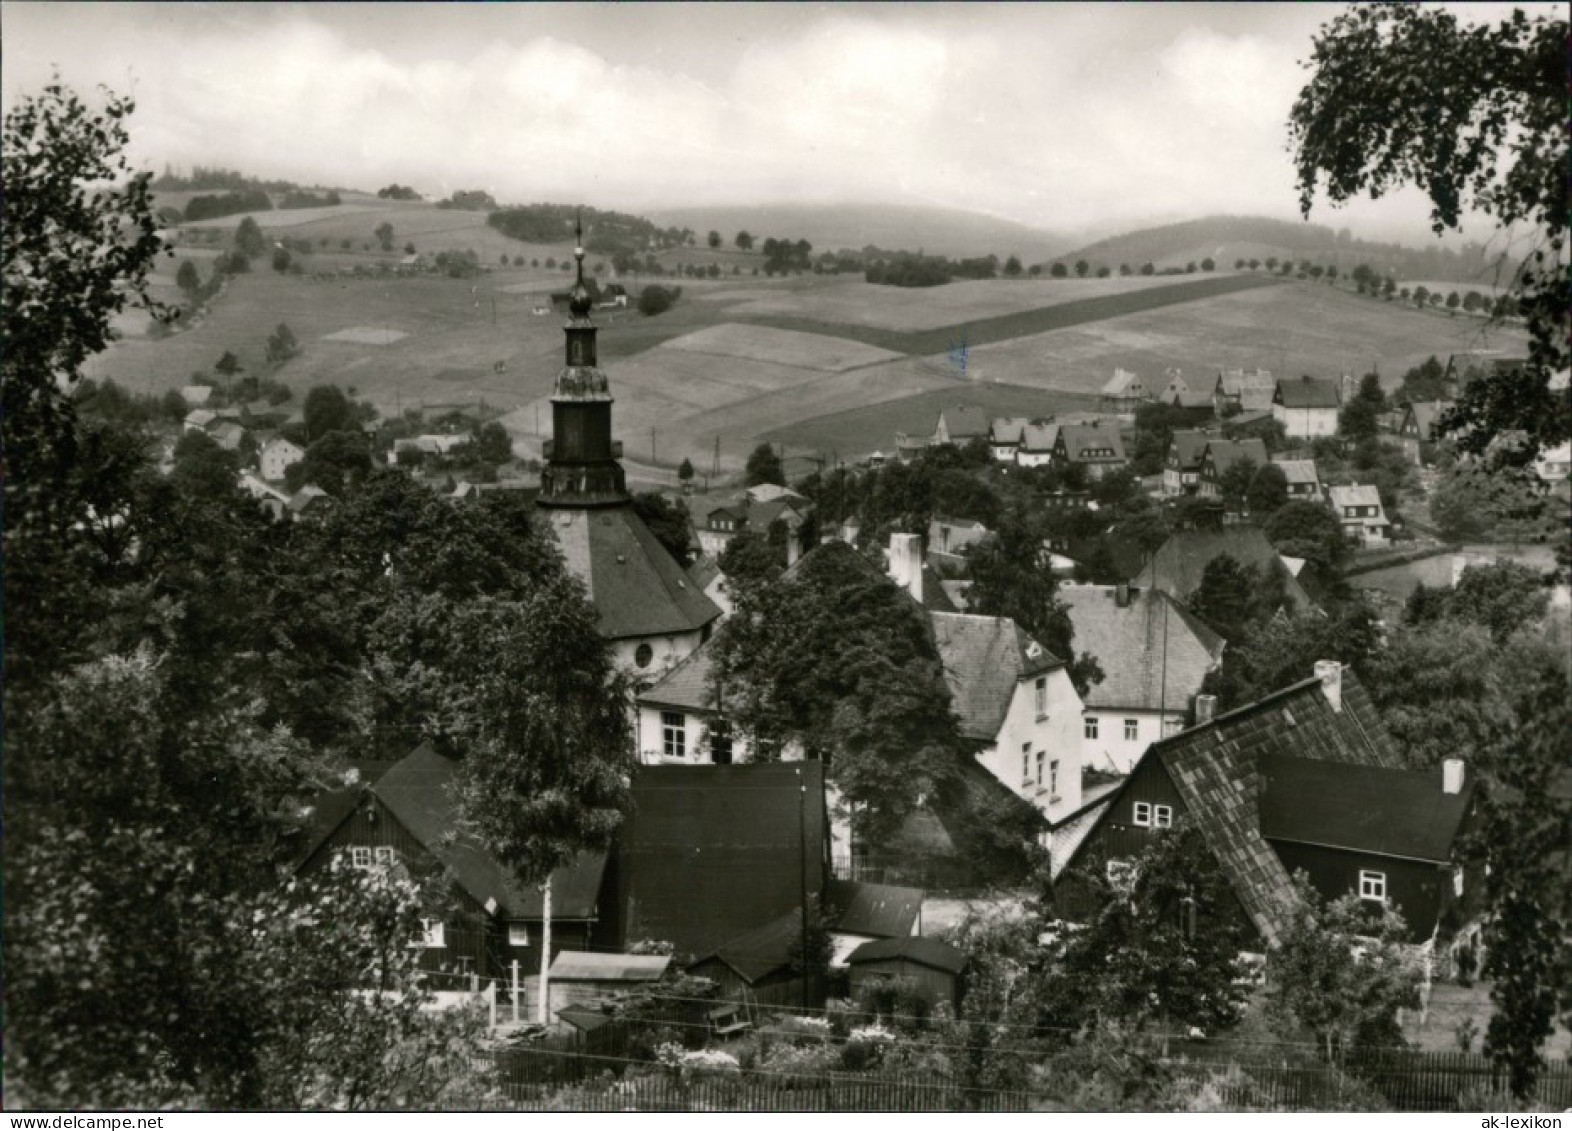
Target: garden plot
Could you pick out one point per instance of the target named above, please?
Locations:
(780, 347)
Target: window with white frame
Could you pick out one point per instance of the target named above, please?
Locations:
(360, 856)
(1162, 816)
(1040, 690)
(1143, 814)
(1131, 729)
(1026, 763)
(1091, 726)
(518, 934)
(433, 935)
(1372, 885)
(674, 734)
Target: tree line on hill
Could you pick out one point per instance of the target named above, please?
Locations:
(605, 232)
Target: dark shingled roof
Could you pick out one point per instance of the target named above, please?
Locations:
(879, 910)
(710, 851)
(1425, 414)
(1225, 453)
(983, 658)
(1188, 448)
(418, 793)
(1307, 392)
(963, 422)
(1389, 812)
(1128, 643)
(760, 952)
(635, 585)
(1176, 568)
(687, 685)
(1215, 768)
(924, 951)
(1081, 440)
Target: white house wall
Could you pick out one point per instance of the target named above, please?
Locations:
(1058, 735)
(1306, 423)
(1111, 750)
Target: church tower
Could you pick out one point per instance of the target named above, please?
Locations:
(581, 457)
(650, 611)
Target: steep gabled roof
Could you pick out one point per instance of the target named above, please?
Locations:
(636, 586)
(1425, 414)
(1187, 447)
(1307, 392)
(1176, 568)
(1081, 440)
(1007, 429)
(418, 793)
(1298, 470)
(1355, 495)
(1123, 384)
(686, 686)
(762, 951)
(1039, 437)
(1129, 644)
(1215, 768)
(1225, 453)
(984, 658)
(963, 422)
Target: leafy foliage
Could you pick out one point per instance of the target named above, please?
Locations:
(764, 466)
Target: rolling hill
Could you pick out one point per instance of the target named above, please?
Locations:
(830, 227)
(1229, 238)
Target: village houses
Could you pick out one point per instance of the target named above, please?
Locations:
(1307, 407)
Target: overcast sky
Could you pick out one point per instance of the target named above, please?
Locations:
(1062, 116)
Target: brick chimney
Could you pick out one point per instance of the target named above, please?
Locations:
(1452, 773)
(1205, 709)
(1330, 673)
(906, 563)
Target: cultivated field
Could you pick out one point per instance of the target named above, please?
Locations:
(780, 347)
(1293, 328)
(870, 428)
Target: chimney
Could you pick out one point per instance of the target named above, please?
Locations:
(1122, 594)
(906, 563)
(1205, 709)
(1330, 673)
(1452, 775)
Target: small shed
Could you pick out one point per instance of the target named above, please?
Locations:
(755, 968)
(931, 967)
(579, 976)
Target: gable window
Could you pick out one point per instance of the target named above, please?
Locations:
(1372, 885)
(433, 935)
(1131, 729)
(1041, 691)
(1143, 814)
(674, 734)
(1091, 726)
(1162, 816)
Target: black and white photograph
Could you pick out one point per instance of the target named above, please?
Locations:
(786, 557)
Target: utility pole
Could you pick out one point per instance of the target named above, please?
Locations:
(802, 874)
(542, 1013)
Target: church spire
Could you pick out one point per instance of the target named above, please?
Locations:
(581, 458)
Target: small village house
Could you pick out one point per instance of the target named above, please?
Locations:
(278, 456)
(1358, 508)
(1124, 392)
(1306, 407)
(1304, 483)
(1182, 463)
(1037, 444)
(1096, 448)
(1243, 390)
(961, 425)
(930, 968)
(1221, 455)
(1004, 437)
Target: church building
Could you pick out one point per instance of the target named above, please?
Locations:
(650, 612)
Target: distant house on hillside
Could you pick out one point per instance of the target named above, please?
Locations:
(1096, 448)
(196, 396)
(1004, 437)
(1358, 508)
(1307, 407)
(278, 456)
(1123, 392)
(1182, 464)
(1417, 429)
(961, 425)
(949, 539)
(1242, 390)
(1179, 563)
(1037, 444)
(1220, 456)
(1304, 484)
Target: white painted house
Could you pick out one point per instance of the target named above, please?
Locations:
(1306, 407)
(1358, 508)
(278, 456)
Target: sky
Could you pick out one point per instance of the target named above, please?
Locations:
(1068, 117)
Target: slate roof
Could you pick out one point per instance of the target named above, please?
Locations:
(1252, 389)
(634, 583)
(704, 571)
(923, 951)
(1007, 429)
(418, 792)
(728, 832)
(686, 686)
(1214, 768)
(1082, 439)
(1225, 453)
(879, 910)
(1298, 470)
(1389, 812)
(1188, 447)
(983, 659)
(1355, 495)
(1128, 643)
(1307, 392)
(1184, 398)
(1039, 437)
(963, 422)
(1425, 414)
(1177, 566)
